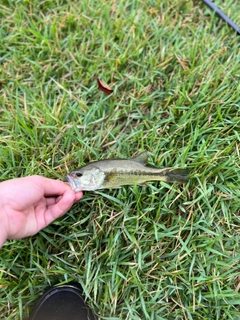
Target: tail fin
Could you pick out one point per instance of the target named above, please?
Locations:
(177, 175)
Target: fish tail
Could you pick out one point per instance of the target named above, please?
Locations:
(176, 175)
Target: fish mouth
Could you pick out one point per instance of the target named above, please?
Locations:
(71, 182)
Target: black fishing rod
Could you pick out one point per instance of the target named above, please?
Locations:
(222, 15)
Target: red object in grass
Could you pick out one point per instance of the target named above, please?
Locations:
(104, 87)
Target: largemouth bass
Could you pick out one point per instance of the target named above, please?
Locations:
(114, 173)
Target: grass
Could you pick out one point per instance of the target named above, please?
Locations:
(156, 252)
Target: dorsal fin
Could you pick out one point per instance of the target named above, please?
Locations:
(142, 158)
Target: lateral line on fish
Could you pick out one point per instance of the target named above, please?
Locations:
(146, 173)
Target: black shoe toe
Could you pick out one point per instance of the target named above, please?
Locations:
(62, 303)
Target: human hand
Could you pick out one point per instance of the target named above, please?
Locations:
(29, 204)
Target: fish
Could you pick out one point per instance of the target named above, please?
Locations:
(115, 173)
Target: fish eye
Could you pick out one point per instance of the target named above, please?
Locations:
(79, 174)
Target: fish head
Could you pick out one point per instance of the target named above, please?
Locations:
(86, 179)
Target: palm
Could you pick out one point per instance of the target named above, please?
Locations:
(29, 219)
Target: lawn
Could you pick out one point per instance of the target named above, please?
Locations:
(161, 251)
